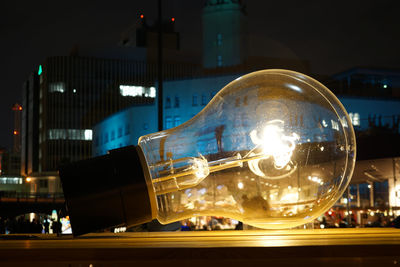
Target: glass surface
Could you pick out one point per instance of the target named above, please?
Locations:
(273, 149)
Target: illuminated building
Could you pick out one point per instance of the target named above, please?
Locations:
(66, 97)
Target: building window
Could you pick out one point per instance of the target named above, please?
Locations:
(245, 101)
(112, 135)
(127, 129)
(168, 102)
(212, 94)
(219, 61)
(70, 134)
(140, 91)
(43, 183)
(168, 122)
(177, 120)
(203, 100)
(106, 138)
(219, 39)
(355, 118)
(119, 132)
(194, 100)
(57, 87)
(237, 102)
(10, 180)
(176, 104)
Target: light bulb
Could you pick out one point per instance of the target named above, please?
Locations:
(274, 149)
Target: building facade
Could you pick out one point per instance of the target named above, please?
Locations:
(66, 97)
(224, 31)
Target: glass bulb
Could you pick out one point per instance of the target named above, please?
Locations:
(274, 149)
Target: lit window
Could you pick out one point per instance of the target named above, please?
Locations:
(58, 87)
(194, 100)
(132, 90)
(335, 125)
(355, 118)
(88, 134)
(10, 180)
(168, 122)
(177, 120)
(70, 134)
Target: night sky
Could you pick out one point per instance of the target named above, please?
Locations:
(332, 35)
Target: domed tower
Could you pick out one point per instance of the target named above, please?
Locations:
(224, 33)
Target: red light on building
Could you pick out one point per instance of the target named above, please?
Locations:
(17, 107)
(173, 19)
(141, 16)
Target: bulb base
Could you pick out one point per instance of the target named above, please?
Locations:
(107, 191)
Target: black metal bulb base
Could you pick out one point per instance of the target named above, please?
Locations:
(107, 191)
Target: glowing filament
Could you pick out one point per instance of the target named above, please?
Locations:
(275, 144)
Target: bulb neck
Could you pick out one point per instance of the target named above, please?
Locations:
(108, 191)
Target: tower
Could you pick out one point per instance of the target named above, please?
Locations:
(17, 109)
(224, 33)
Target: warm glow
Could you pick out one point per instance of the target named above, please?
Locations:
(28, 179)
(240, 185)
(15, 132)
(200, 167)
(173, 19)
(141, 16)
(275, 144)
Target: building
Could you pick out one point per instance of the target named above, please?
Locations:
(124, 128)
(143, 36)
(10, 161)
(66, 97)
(17, 109)
(224, 29)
